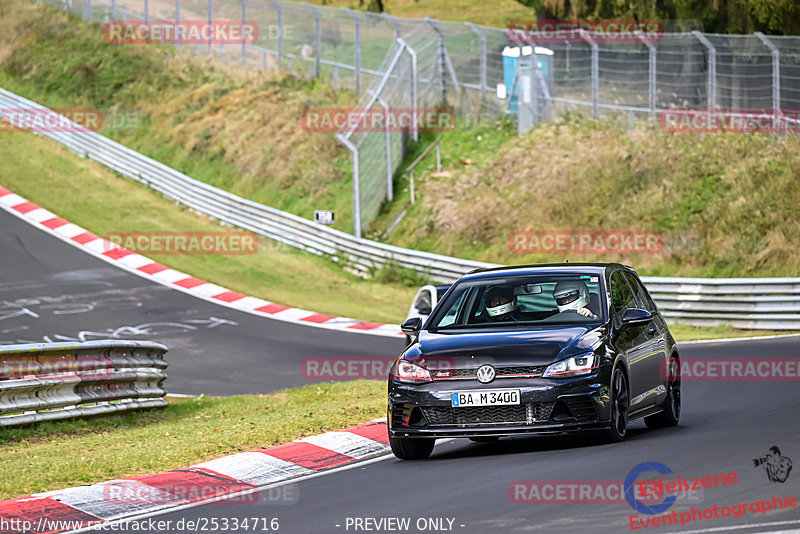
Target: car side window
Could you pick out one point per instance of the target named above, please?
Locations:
(452, 313)
(643, 300)
(621, 296)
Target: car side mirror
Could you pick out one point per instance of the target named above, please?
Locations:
(412, 326)
(424, 310)
(635, 317)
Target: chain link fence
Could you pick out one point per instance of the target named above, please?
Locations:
(422, 63)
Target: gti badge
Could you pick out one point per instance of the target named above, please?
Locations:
(485, 374)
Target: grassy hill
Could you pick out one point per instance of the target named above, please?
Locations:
(725, 204)
(232, 128)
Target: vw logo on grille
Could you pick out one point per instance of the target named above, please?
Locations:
(485, 374)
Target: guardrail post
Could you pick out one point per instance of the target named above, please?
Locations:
(357, 21)
(146, 11)
(595, 73)
(388, 141)
(482, 67)
(86, 11)
(776, 72)
(113, 9)
(651, 97)
(317, 38)
(279, 14)
(712, 69)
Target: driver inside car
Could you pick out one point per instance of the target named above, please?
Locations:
(572, 296)
(501, 306)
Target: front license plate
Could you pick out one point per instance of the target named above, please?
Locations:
(486, 397)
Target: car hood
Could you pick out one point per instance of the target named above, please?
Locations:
(506, 348)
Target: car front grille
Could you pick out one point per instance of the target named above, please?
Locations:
(502, 372)
(522, 414)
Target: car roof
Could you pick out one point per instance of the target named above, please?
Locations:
(545, 268)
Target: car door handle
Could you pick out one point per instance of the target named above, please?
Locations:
(651, 330)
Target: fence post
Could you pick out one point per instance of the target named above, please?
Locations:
(651, 97)
(357, 21)
(482, 67)
(177, 20)
(445, 64)
(317, 38)
(712, 69)
(113, 9)
(776, 72)
(388, 139)
(244, 41)
(414, 80)
(146, 11)
(440, 57)
(595, 73)
(86, 11)
(356, 185)
(391, 20)
(209, 23)
(279, 14)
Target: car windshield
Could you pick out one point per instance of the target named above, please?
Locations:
(522, 300)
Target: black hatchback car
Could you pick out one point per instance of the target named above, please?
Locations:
(538, 349)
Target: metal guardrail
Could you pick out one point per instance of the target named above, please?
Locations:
(362, 254)
(756, 303)
(49, 381)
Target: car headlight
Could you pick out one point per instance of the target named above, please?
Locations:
(405, 371)
(575, 366)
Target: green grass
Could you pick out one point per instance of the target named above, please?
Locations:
(232, 128)
(685, 332)
(496, 13)
(88, 194)
(726, 203)
(56, 455)
(239, 131)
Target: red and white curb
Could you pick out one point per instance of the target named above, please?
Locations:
(147, 268)
(233, 479)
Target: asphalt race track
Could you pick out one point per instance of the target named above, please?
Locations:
(724, 427)
(50, 291)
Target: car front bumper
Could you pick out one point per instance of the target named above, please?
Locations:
(547, 406)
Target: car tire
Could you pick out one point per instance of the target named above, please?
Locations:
(412, 448)
(484, 439)
(671, 409)
(619, 407)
